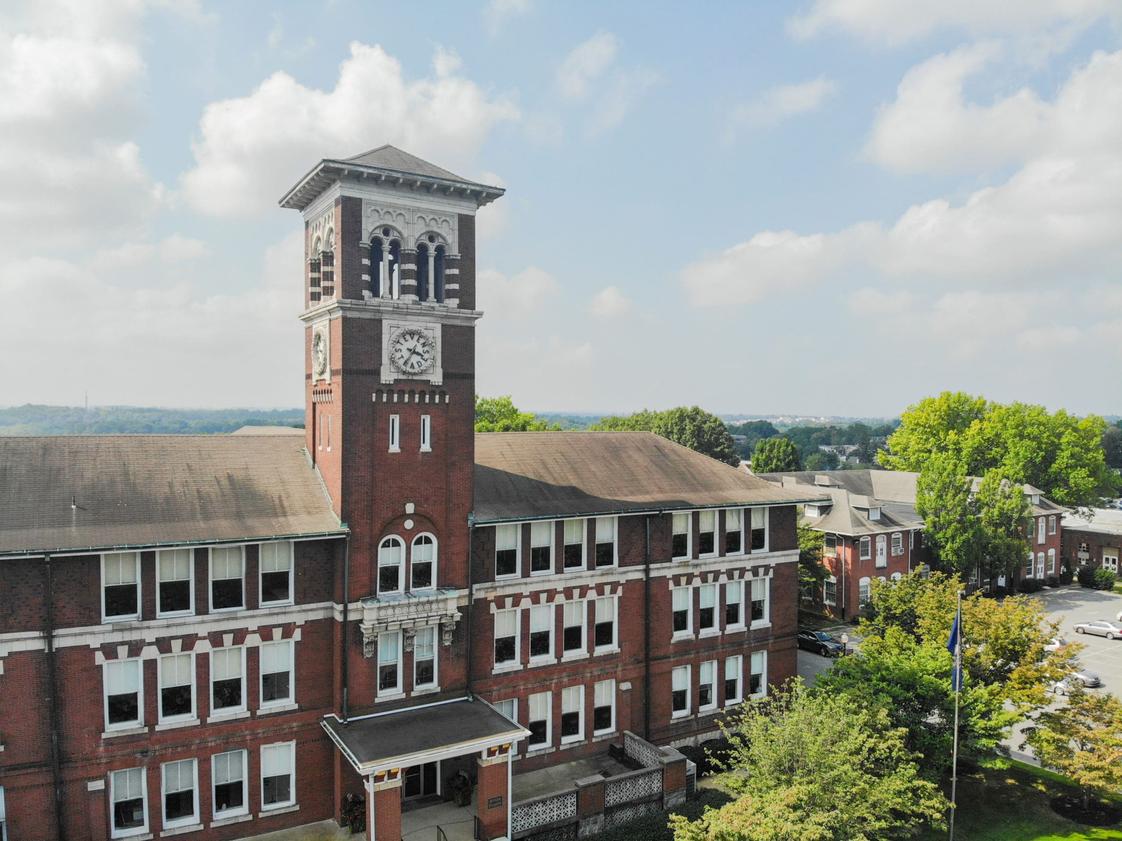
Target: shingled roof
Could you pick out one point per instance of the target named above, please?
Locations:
(101, 492)
(532, 475)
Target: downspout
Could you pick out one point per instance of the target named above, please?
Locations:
(471, 599)
(52, 698)
(346, 616)
(647, 630)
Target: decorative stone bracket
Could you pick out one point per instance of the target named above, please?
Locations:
(407, 614)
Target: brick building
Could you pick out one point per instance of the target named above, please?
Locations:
(872, 531)
(1092, 539)
(221, 636)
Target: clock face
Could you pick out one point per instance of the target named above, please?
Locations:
(412, 351)
(319, 353)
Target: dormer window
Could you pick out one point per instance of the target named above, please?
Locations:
(812, 511)
(874, 513)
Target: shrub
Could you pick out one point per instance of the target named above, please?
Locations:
(1104, 579)
(1086, 576)
(1066, 576)
(1000, 592)
(1029, 585)
(1052, 581)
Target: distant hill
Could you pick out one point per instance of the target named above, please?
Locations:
(136, 420)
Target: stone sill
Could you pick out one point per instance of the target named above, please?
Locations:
(181, 830)
(219, 718)
(175, 725)
(267, 812)
(597, 652)
(231, 820)
(278, 708)
(131, 731)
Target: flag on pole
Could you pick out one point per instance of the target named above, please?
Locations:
(952, 643)
(953, 647)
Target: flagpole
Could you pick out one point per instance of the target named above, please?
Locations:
(956, 677)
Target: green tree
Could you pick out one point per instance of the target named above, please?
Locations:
(1112, 445)
(1003, 525)
(943, 500)
(774, 455)
(932, 426)
(811, 766)
(499, 414)
(1083, 741)
(811, 571)
(819, 460)
(689, 426)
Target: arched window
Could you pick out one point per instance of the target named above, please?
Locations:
(314, 271)
(896, 576)
(385, 263)
(438, 273)
(391, 559)
(422, 271)
(327, 265)
(423, 562)
(863, 588)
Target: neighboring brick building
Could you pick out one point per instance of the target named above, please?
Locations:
(872, 531)
(1093, 539)
(221, 636)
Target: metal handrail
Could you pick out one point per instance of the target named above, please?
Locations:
(440, 836)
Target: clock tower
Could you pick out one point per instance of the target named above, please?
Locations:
(389, 315)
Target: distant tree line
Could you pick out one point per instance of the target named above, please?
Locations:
(136, 420)
(808, 440)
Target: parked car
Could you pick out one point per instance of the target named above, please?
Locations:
(1119, 616)
(1055, 644)
(1100, 628)
(1089, 680)
(820, 643)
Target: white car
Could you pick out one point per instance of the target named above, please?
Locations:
(1055, 644)
(1101, 628)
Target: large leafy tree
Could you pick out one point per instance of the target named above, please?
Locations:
(1112, 445)
(1083, 741)
(689, 426)
(813, 766)
(934, 425)
(499, 414)
(811, 571)
(774, 455)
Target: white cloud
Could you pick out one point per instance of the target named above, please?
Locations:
(610, 302)
(505, 298)
(497, 13)
(893, 22)
(618, 99)
(246, 144)
(172, 249)
(491, 219)
(781, 103)
(586, 63)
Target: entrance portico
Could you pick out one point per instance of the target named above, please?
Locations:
(410, 747)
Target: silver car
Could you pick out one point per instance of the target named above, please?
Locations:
(1090, 680)
(1100, 628)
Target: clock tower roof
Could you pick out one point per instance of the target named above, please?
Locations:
(389, 166)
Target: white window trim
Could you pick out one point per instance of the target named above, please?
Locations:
(176, 719)
(291, 575)
(124, 725)
(551, 655)
(830, 579)
(739, 698)
(1039, 564)
(612, 727)
(583, 544)
(1040, 528)
(615, 544)
(222, 712)
(292, 800)
(1051, 555)
(552, 530)
(426, 433)
(396, 539)
(882, 541)
(581, 652)
(685, 712)
(716, 533)
(123, 617)
(742, 540)
(614, 645)
(689, 536)
(548, 743)
(140, 830)
(210, 581)
(517, 552)
(516, 663)
(715, 629)
(190, 611)
(435, 683)
(738, 584)
(863, 553)
(435, 561)
(712, 705)
(766, 621)
(763, 674)
(867, 581)
(1051, 524)
(688, 632)
(1030, 568)
(244, 809)
(282, 702)
(767, 528)
(398, 688)
(192, 819)
(579, 736)
(896, 536)
(395, 434)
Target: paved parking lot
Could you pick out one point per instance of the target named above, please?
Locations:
(1068, 605)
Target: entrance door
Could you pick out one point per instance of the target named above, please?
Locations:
(1110, 560)
(421, 781)
(882, 555)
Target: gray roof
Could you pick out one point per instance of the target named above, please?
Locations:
(386, 165)
(538, 475)
(1099, 520)
(100, 492)
(411, 735)
(268, 430)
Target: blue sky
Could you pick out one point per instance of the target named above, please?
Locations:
(826, 207)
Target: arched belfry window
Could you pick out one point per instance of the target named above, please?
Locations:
(327, 265)
(423, 562)
(314, 271)
(438, 273)
(385, 263)
(430, 268)
(423, 271)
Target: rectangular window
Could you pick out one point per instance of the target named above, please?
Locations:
(830, 546)
(276, 572)
(227, 577)
(227, 775)
(541, 548)
(759, 529)
(757, 682)
(1051, 561)
(424, 658)
(572, 714)
(540, 715)
(604, 707)
(707, 608)
(734, 668)
(3, 818)
(761, 612)
(897, 544)
(680, 536)
(276, 672)
(830, 591)
(278, 775)
(605, 541)
(120, 577)
(541, 632)
(506, 550)
(707, 534)
(605, 623)
(506, 637)
(181, 806)
(574, 544)
(1051, 524)
(680, 598)
(175, 587)
(128, 791)
(680, 691)
(734, 604)
(426, 433)
(123, 682)
(575, 614)
(1028, 567)
(227, 679)
(389, 663)
(395, 433)
(509, 708)
(177, 687)
(707, 686)
(864, 591)
(734, 531)
(866, 545)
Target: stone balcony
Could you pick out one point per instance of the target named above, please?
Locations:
(407, 612)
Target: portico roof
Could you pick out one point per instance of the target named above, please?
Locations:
(414, 735)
